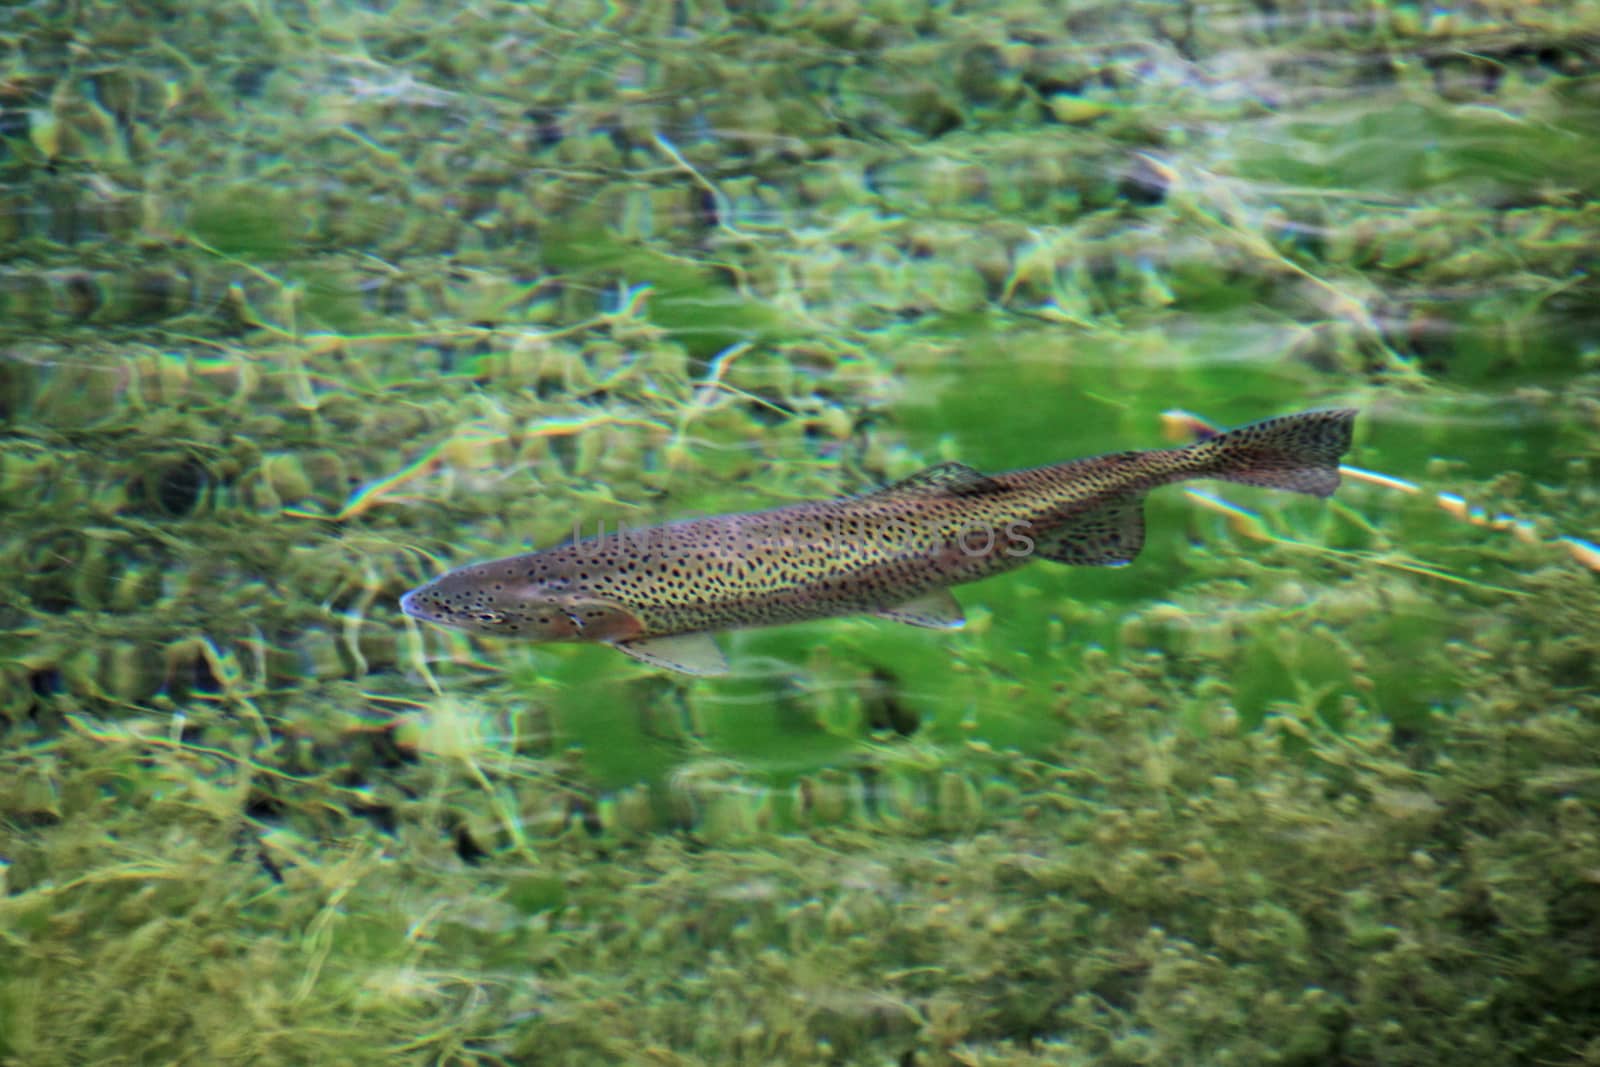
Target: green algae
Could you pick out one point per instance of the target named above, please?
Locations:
(301, 306)
(1281, 891)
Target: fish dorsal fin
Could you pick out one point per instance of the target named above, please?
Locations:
(1108, 536)
(937, 610)
(695, 654)
(953, 479)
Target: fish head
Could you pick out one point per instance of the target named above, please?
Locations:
(490, 604)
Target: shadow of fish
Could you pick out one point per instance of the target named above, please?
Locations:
(658, 593)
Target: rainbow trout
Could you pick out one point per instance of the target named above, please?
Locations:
(658, 593)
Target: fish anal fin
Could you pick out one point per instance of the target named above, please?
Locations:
(953, 479)
(695, 654)
(1108, 536)
(938, 610)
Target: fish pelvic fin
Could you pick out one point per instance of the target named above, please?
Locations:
(1299, 453)
(695, 654)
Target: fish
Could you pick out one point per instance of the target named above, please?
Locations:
(660, 593)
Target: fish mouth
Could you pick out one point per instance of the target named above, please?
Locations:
(424, 604)
(418, 605)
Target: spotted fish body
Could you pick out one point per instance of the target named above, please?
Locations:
(658, 592)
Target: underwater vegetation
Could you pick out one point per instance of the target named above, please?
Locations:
(304, 304)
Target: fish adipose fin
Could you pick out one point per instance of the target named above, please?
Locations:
(695, 654)
(1109, 536)
(954, 479)
(937, 610)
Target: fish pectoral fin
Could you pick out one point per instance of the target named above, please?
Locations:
(594, 619)
(937, 610)
(695, 654)
(1109, 536)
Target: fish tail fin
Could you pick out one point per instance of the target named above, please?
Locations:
(1295, 452)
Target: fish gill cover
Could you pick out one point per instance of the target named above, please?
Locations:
(304, 304)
